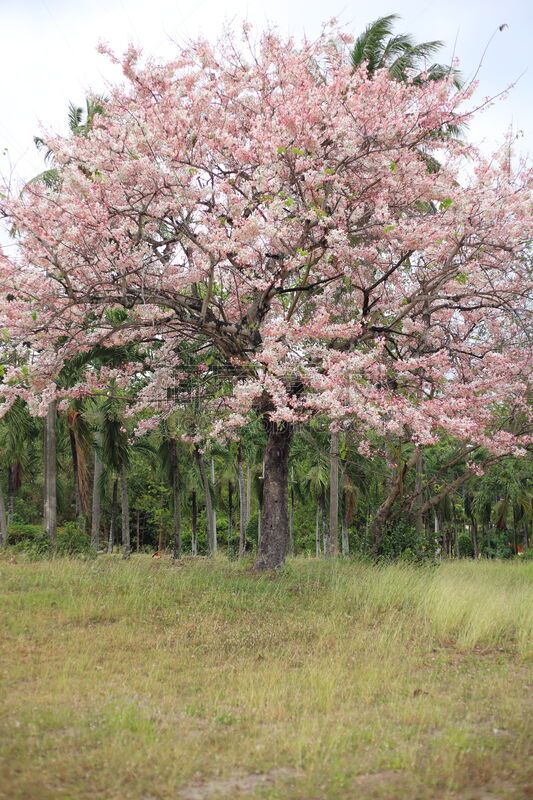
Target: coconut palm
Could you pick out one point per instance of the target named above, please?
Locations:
(379, 48)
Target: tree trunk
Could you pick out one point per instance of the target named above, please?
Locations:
(345, 537)
(50, 499)
(11, 492)
(291, 521)
(333, 534)
(473, 536)
(97, 496)
(213, 503)
(138, 531)
(385, 509)
(194, 524)
(77, 493)
(230, 515)
(126, 544)
(176, 501)
(274, 523)
(211, 531)
(113, 524)
(248, 493)
(419, 473)
(3, 519)
(242, 504)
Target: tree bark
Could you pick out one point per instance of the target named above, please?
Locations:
(3, 520)
(242, 504)
(113, 523)
(230, 515)
(385, 509)
(138, 531)
(318, 549)
(77, 493)
(126, 544)
(274, 522)
(291, 522)
(248, 493)
(333, 537)
(12, 471)
(417, 505)
(211, 531)
(50, 499)
(213, 504)
(176, 501)
(194, 524)
(97, 496)
(344, 537)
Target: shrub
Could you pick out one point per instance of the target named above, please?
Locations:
(34, 541)
(466, 548)
(31, 539)
(71, 540)
(21, 532)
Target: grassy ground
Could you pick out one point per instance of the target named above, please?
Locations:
(148, 681)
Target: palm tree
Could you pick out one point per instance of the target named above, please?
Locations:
(115, 456)
(80, 123)
(379, 48)
(310, 455)
(18, 431)
(170, 457)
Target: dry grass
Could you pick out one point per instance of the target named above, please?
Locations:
(147, 681)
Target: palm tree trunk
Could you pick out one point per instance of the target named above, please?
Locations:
(230, 514)
(213, 511)
(211, 530)
(344, 537)
(248, 493)
(3, 519)
(176, 500)
(10, 493)
(291, 521)
(138, 531)
(419, 472)
(50, 497)
(333, 534)
(97, 496)
(325, 528)
(194, 524)
(126, 544)
(317, 531)
(74, 453)
(242, 504)
(113, 524)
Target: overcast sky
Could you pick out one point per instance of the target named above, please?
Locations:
(48, 57)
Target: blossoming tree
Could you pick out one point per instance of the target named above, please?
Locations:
(282, 210)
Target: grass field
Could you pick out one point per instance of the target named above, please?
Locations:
(149, 681)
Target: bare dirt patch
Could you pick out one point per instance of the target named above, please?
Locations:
(234, 785)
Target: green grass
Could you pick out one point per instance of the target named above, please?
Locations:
(147, 681)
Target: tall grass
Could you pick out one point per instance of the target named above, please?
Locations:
(483, 603)
(130, 680)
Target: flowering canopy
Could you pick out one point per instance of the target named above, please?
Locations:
(319, 229)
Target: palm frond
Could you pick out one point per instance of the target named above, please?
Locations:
(369, 45)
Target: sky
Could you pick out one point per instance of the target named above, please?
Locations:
(48, 52)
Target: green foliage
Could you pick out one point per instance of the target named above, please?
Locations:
(35, 542)
(466, 548)
(71, 540)
(20, 533)
(401, 540)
